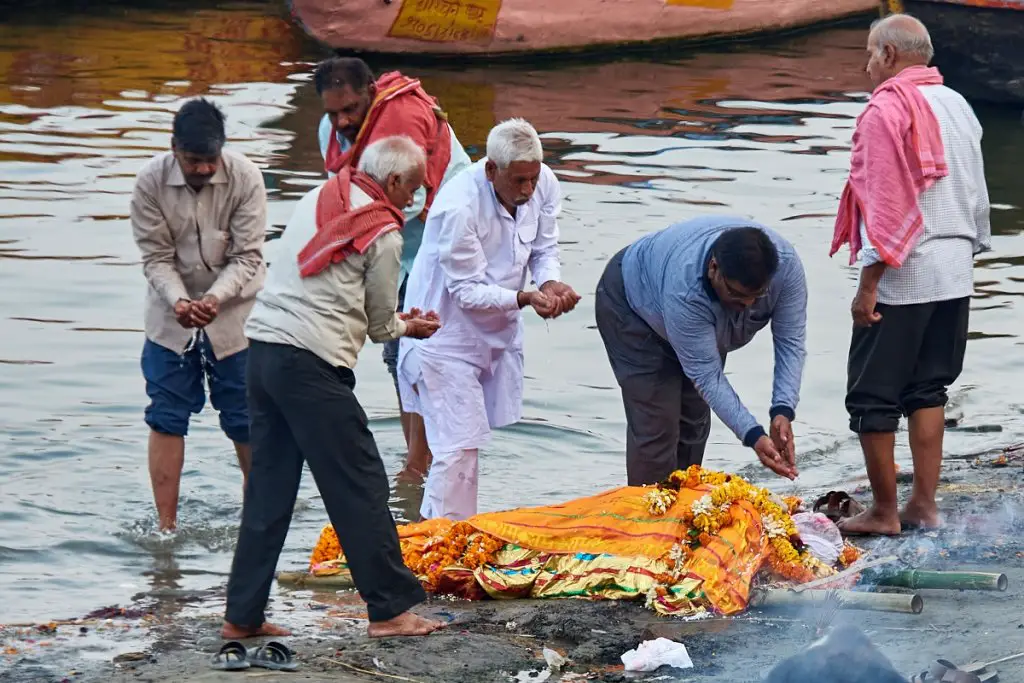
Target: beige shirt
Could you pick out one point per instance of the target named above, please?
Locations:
(331, 313)
(197, 243)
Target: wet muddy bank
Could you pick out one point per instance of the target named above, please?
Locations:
(170, 635)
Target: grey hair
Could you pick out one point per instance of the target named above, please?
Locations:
(513, 140)
(395, 155)
(905, 34)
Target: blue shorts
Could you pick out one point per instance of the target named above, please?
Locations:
(174, 384)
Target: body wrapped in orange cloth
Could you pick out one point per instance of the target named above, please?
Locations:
(694, 543)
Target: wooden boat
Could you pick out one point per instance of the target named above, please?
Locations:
(503, 28)
(977, 44)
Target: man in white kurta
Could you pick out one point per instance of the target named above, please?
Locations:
(490, 227)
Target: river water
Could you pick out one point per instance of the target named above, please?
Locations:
(86, 99)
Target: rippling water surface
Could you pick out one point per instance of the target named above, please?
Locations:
(85, 100)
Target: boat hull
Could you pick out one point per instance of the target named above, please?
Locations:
(497, 28)
(979, 45)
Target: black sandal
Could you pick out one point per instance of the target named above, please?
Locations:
(230, 657)
(274, 656)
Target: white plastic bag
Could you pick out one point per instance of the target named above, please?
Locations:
(651, 654)
(820, 534)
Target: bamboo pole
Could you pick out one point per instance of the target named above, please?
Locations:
(920, 578)
(878, 602)
(307, 580)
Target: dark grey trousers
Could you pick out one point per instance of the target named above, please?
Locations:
(303, 409)
(667, 421)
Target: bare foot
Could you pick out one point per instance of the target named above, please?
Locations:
(917, 515)
(410, 477)
(232, 632)
(405, 624)
(871, 522)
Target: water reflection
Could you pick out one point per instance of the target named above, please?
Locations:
(85, 101)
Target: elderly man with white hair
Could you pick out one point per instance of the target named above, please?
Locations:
(334, 282)
(489, 227)
(916, 211)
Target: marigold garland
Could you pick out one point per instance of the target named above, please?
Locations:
(788, 558)
(462, 545)
(849, 554)
(327, 547)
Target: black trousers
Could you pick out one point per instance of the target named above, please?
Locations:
(667, 421)
(905, 362)
(303, 409)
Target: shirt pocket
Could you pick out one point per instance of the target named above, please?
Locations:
(526, 234)
(215, 244)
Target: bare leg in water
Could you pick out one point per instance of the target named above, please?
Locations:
(417, 462)
(166, 460)
(927, 428)
(883, 517)
(243, 452)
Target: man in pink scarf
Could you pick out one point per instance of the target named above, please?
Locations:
(916, 211)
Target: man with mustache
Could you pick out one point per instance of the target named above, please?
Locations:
(669, 308)
(358, 111)
(199, 215)
(490, 227)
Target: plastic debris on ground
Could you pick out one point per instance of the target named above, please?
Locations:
(555, 661)
(653, 654)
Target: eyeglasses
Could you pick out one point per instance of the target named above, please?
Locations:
(738, 294)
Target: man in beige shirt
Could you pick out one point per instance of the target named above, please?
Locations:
(332, 283)
(198, 215)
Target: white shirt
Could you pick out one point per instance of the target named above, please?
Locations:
(330, 313)
(955, 211)
(473, 261)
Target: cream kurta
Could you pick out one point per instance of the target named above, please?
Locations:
(474, 259)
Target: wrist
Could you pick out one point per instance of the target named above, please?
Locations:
(753, 435)
(523, 299)
(783, 410)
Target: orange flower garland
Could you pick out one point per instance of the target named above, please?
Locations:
(461, 546)
(788, 558)
(849, 554)
(327, 547)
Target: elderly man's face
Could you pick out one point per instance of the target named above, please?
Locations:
(881, 62)
(514, 185)
(400, 190)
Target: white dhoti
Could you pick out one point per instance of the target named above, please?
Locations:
(460, 403)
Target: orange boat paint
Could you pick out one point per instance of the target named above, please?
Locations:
(523, 27)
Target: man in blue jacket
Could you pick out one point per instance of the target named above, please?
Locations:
(669, 308)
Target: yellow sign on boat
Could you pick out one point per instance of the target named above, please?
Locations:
(709, 4)
(447, 21)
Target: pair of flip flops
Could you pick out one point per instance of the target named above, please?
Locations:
(273, 655)
(943, 671)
